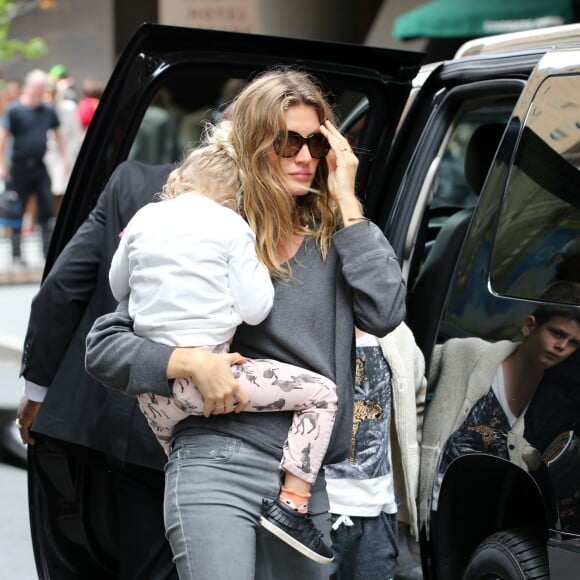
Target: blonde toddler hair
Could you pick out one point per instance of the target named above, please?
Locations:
(210, 169)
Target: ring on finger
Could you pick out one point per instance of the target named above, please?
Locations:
(18, 423)
(220, 407)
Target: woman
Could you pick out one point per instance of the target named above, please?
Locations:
(332, 269)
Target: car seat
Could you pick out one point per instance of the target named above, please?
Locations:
(427, 296)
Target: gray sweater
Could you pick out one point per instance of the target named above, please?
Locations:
(311, 325)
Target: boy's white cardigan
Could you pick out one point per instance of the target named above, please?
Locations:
(408, 395)
(462, 370)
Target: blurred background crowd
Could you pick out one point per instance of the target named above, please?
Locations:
(74, 102)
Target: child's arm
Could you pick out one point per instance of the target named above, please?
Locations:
(119, 271)
(249, 279)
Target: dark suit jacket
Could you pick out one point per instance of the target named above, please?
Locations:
(77, 409)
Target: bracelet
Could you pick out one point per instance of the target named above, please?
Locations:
(357, 219)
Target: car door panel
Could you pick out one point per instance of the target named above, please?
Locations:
(521, 240)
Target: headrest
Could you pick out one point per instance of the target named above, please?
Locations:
(480, 152)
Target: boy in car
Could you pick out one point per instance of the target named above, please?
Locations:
(483, 390)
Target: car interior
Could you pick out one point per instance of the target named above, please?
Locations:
(436, 257)
(444, 207)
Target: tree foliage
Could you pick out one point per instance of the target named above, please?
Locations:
(10, 47)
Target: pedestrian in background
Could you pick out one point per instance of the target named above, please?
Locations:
(91, 95)
(64, 83)
(10, 92)
(63, 96)
(27, 121)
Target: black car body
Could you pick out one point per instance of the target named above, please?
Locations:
(414, 184)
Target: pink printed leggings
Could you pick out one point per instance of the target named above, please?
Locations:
(271, 386)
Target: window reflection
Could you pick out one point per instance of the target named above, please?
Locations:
(174, 122)
(174, 119)
(537, 239)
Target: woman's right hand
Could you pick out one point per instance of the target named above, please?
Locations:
(212, 376)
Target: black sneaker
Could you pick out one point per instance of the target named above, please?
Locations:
(295, 529)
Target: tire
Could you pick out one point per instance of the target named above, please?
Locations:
(518, 554)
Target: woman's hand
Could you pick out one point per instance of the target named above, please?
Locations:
(212, 376)
(342, 168)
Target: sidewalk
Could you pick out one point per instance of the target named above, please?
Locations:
(16, 554)
(15, 309)
(17, 288)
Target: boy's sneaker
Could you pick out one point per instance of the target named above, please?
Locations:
(295, 529)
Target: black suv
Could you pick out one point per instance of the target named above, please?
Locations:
(471, 169)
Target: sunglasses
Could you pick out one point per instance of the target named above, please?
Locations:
(290, 144)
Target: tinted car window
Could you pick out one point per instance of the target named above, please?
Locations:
(465, 154)
(174, 119)
(173, 122)
(523, 237)
(538, 233)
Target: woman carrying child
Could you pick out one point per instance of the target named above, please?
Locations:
(331, 269)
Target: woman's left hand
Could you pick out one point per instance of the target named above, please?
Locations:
(342, 165)
(213, 378)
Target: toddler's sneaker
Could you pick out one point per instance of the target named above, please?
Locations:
(295, 529)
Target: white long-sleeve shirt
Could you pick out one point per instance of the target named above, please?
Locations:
(190, 268)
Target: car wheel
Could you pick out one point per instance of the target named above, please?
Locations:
(518, 554)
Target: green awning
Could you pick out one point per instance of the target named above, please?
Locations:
(472, 18)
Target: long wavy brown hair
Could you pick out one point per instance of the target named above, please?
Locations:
(257, 118)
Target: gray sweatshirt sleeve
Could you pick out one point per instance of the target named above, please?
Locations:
(371, 269)
(118, 358)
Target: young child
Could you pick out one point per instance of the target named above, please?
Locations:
(383, 467)
(189, 267)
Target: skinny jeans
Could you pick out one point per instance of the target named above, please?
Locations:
(214, 485)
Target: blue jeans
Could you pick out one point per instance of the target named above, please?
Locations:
(214, 485)
(365, 550)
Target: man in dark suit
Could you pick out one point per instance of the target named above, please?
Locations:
(62, 402)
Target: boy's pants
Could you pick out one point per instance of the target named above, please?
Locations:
(366, 549)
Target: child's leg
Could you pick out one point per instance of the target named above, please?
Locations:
(275, 386)
(164, 413)
(295, 492)
(271, 386)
